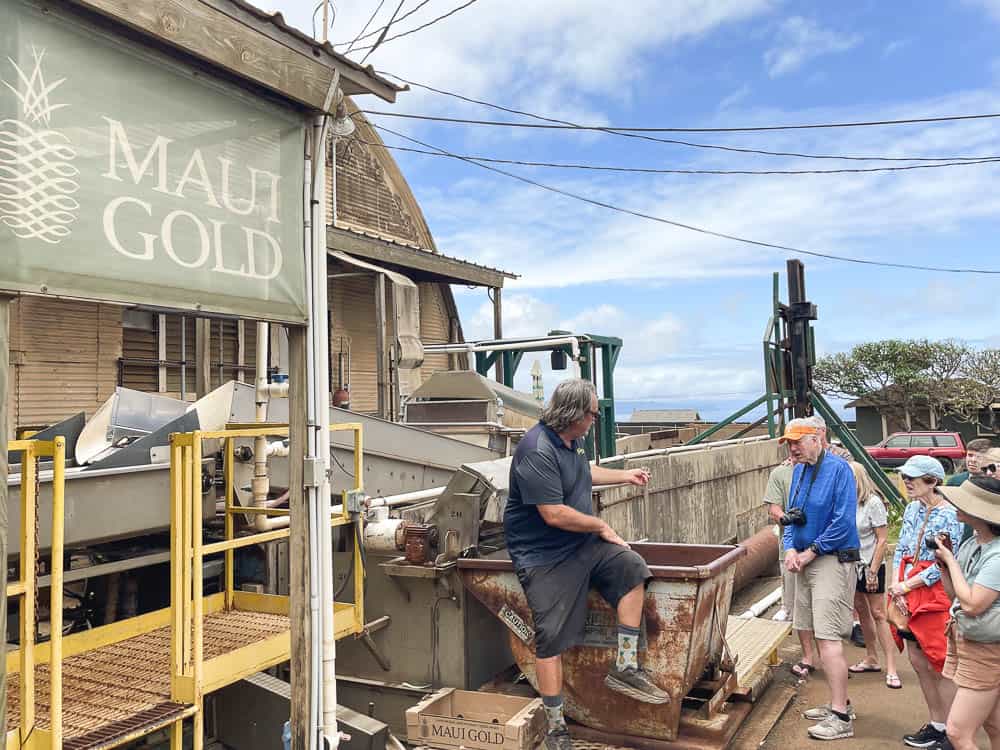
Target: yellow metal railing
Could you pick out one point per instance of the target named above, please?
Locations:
(191, 677)
(26, 588)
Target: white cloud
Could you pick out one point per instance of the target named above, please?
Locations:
(992, 7)
(895, 46)
(735, 98)
(801, 39)
(551, 54)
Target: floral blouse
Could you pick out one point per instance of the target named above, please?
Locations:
(942, 521)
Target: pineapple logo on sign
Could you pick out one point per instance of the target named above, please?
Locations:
(36, 170)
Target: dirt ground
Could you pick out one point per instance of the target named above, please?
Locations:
(884, 715)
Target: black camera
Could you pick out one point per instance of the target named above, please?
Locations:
(933, 543)
(793, 517)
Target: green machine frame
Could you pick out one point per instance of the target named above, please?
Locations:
(598, 358)
(789, 347)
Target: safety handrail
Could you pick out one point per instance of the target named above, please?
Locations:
(187, 550)
(26, 585)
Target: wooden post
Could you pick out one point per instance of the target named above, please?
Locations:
(380, 346)
(4, 373)
(298, 539)
(498, 327)
(202, 356)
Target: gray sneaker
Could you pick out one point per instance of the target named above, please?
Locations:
(558, 739)
(832, 728)
(823, 712)
(635, 683)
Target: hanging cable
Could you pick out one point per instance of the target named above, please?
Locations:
(363, 28)
(676, 142)
(451, 12)
(691, 227)
(385, 30)
(377, 31)
(652, 170)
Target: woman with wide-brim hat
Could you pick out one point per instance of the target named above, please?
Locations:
(972, 577)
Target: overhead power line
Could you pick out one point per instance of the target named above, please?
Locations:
(385, 30)
(626, 129)
(691, 227)
(365, 27)
(433, 21)
(376, 32)
(652, 170)
(675, 142)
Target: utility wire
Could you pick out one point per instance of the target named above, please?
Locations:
(362, 37)
(624, 129)
(433, 21)
(651, 170)
(691, 227)
(675, 142)
(365, 27)
(385, 30)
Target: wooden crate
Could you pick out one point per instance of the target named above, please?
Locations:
(485, 721)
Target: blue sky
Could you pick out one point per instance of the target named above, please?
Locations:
(691, 309)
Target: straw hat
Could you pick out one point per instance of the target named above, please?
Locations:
(978, 496)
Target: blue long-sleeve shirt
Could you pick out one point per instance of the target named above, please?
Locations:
(830, 503)
(942, 521)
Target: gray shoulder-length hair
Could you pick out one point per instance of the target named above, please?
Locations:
(570, 402)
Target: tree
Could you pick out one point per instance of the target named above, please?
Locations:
(915, 377)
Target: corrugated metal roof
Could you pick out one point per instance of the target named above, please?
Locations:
(665, 415)
(364, 232)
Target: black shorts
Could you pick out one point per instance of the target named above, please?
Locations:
(557, 594)
(862, 587)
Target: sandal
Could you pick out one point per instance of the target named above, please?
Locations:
(892, 682)
(864, 666)
(802, 669)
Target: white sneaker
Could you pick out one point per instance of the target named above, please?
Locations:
(782, 615)
(832, 728)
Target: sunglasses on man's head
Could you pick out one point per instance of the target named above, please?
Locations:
(989, 469)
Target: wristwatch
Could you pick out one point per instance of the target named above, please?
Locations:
(815, 549)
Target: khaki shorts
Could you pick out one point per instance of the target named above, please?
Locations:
(971, 665)
(824, 598)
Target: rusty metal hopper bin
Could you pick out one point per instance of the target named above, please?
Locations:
(682, 642)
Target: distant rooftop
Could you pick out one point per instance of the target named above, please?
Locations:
(657, 416)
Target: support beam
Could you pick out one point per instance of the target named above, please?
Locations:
(498, 327)
(202, 356)
(381, 370)
(4, 374)
(298, 540)
(161, 352)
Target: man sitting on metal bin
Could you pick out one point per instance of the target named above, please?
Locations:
(822, 548)
(560, 549)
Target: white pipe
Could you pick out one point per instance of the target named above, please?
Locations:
(277, 448)
(315, 611)
(406, 498)
(760, 607)
(261, 484)
(321, 369)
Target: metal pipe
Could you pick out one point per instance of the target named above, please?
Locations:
(406, 498)
(686, 448)
(261, 483)
(183, 358)
(488, 346)
(56, 595)
(761, 556)
(760, 607)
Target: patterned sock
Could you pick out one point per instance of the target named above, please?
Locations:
(628, 647)
(553, 705)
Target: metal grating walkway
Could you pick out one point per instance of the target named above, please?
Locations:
(122, 690)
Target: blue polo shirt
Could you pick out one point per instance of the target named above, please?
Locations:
(829, 499)
(545, 471)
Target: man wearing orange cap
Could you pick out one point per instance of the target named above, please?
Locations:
(822, 547)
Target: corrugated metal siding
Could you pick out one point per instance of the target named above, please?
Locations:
(66, 358)
(353, 328)
(434, 327)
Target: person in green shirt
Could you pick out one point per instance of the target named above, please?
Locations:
(975, 451)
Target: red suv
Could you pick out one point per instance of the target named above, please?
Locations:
(946, 447)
